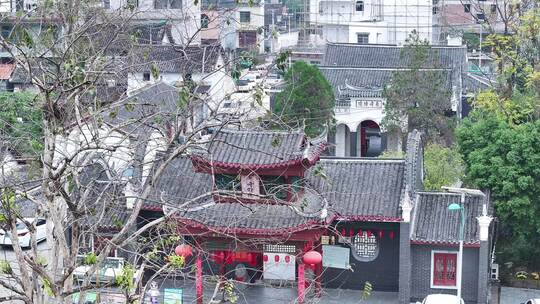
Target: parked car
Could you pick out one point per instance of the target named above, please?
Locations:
(111, 268)
(441, 299)
(532, 301)
(23, 232)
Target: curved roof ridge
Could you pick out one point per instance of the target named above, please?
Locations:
(330, 159)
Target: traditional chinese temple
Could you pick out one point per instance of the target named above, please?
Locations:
(266, 206)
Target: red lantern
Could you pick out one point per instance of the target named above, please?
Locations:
(391, 235)
(276, 258)
(369, 233)
(183, 250)
(381, 234)
(343, 232)
(265, 258)
(351, 232)
(360, 232)
(312, 257)
(287, 259)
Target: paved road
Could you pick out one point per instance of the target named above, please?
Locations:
(275, 295)
(511, 295)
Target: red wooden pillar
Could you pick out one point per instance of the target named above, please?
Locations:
(301, 282)
(198, 278)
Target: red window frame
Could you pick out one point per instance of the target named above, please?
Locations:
(444, 269)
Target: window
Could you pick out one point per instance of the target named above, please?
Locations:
(365, 248)
(146, 76)
(359, 6)
(167, 4)
(228, 182)
(41, 222)
(362, 38)
(493, 8)
(245, 17)
(321, 10)
(107, 4)
(247, 39)
(435, 10)
(274, 186)
(467, 8)
(6, 31)
(204, 21)
(443, 267)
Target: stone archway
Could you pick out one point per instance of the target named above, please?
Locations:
(369, 142)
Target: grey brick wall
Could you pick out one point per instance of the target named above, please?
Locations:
(421, 273)
(382, 273)
(404, 264)
(483, 272)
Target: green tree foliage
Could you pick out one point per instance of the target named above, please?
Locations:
(20, 123)
(417, 97)
(443, 166)
(307, 97)
(505, 159)
(516, 96)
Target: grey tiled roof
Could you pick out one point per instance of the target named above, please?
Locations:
(231, 216)
(102, 197)
(175, 59)
(475, 83)
(368, 188)
(260, 147)
(139, 109)
(360, 189)
(434, 223)
(388, 56)
(179, 183)
(365, 78)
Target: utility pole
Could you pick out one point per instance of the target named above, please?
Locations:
(272, 33)
(480, 58)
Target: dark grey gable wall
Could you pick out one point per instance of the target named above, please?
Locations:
(421, 273)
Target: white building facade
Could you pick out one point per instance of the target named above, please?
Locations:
(372, 21)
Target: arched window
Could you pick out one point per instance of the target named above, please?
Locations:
(359, 6)
(204, 21)
(365, 248)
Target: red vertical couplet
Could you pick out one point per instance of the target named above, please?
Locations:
(301, 282)
(198, 279)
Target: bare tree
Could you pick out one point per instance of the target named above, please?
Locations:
(102, 151)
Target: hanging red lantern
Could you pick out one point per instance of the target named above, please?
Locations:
(265, 258)
(276, 258)
(287, 259)
(312, 257)
(381, 234)
(391, 234)
(221, 256)
(369, 233)
(183, 250)
(351, 232)
(360, 232)
(343, 233)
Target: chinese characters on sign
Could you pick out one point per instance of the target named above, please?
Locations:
(250, 185)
